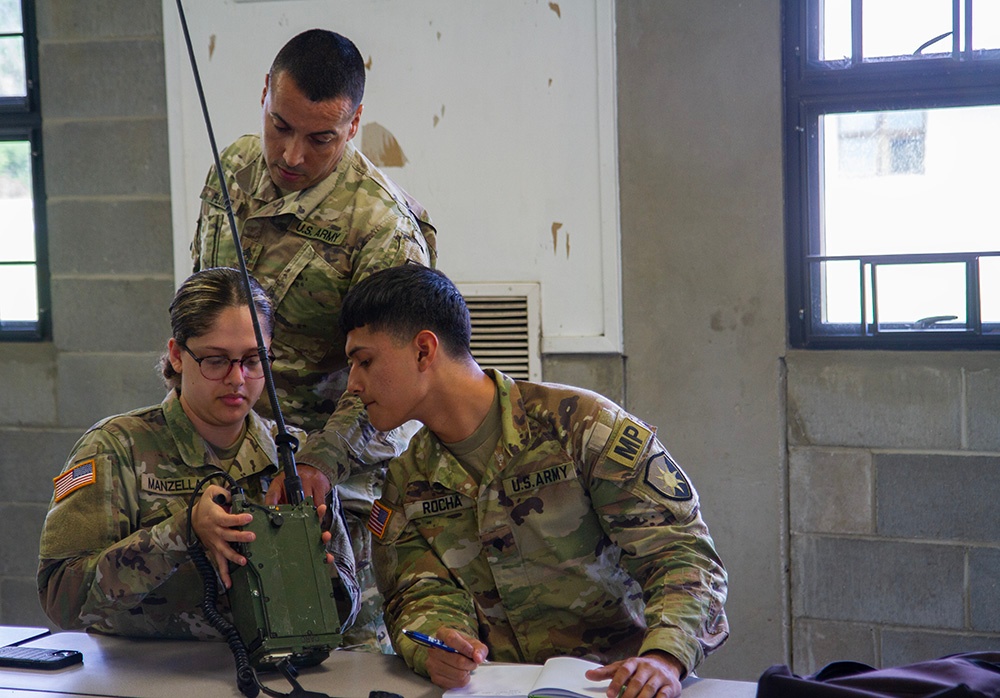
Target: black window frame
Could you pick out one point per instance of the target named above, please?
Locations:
(21, 120)
(813, 88)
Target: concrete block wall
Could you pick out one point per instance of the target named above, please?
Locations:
(108, 205)
(894, 469)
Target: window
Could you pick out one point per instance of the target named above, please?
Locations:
(23, 260)
(892, 145)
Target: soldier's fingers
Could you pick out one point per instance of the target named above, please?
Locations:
(276, 492)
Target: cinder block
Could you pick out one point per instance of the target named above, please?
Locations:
(871, 581)
(908, 646)
(19, 552)
(107, 314)
(984, 589)
(873, 400)
(74, 20)
(84, 80)
(830, 490)
(945, 497)
(30, 458)
(19, 603)
(110, 237)
(816, 643)
(983, 417)
(28, 377)
(95, 386)
(107, 158)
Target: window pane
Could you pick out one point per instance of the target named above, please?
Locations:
(921, 296)
(900, 27)
(910, 181)
(841, 295)
(18, 293)
(17, 243)
(989, 289)
(10, 17)
(835, 33)
(985, 24)
(12, 79)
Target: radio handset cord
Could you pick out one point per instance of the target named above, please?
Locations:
(282, 600)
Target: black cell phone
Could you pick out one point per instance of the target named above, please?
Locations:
(38, 658)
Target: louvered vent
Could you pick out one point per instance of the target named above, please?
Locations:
(505, 323)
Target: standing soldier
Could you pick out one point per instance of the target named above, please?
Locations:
(315, 218)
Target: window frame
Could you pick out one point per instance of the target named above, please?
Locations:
(813, 88)
(21, 119)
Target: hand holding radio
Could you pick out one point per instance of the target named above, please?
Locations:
(218, 529)
(314, 484)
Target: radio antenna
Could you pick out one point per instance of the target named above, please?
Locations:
(287, 444)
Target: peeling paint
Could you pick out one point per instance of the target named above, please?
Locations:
(211, 46)
(439, 36)
(567, 245)
(554, 6)
(550, 82)
(381, 147)
(438, 118)
(368, 63)
(555, 236)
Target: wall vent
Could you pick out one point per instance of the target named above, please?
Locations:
(505, 327)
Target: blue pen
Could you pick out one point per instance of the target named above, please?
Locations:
(428, 641)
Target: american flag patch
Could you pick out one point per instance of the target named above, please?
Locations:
(74, 479)
(378, 519)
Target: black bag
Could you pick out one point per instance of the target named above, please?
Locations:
(967, 675)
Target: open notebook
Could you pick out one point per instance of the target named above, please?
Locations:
(559, 677)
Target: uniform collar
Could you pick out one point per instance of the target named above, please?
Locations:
(255, 181)
(256, 455)
(515, 436)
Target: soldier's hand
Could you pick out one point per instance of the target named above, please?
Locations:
(654, 674)
(450, 670)
(314, 484)
(216, 529)
(324, 537)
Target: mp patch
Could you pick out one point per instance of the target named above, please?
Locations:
(628, 442)
(667, 478)
(378, 519)
(81, 475)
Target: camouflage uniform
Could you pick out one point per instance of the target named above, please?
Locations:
(307, 249)
(113, 555)
(580, 516)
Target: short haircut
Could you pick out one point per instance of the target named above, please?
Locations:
(402, 301)
(324, 65)
(201, 299)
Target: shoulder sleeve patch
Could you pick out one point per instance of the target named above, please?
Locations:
(667, 478)
(628, 442)
(379, 519)
(80, 475)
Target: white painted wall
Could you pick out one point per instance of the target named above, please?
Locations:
(504, 111)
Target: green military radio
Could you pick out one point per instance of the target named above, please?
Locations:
(282, 600)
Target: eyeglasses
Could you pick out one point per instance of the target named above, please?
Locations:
(216, 368)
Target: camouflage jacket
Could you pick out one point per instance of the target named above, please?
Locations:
(113, 554)
(580, 516)
(308, 248)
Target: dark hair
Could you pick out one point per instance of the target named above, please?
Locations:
(324, 65)
(404, 300)
(199, 301)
